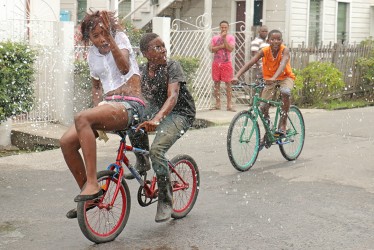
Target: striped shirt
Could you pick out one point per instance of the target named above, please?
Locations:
(257, 44)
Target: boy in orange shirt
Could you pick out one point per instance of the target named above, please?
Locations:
(277, 71)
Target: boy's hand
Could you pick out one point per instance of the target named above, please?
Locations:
(270, 81)
(148, 126)
(234, 80)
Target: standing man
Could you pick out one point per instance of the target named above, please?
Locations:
(258, 43)
(222, 45)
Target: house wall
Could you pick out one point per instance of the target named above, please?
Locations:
(71, 6)
(98, 4)
(192, 9)
(329, 21)
(297, 26)
(360, 20)
(297, 31)
(275, 15)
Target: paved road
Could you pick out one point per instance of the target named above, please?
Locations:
(323, 200)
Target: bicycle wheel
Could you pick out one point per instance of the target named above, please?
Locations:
(104, 223)
(295, 137)
(243, 140)
(184, 196)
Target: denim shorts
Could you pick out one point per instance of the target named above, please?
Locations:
(135, 111)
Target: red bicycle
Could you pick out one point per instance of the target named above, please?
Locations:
(102, 220)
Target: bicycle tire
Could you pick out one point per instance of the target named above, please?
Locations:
(184, 199)
(295, 135)
(102, 224)
(243, 141)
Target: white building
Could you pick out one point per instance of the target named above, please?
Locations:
(309, 21)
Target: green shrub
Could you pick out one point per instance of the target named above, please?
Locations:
(318, 82)
(82, 74)
(189, 66)
(132, 32)
(366, 64)
(16, 79)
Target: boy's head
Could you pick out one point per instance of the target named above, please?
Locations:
(224, 26)
(275, 38)
(263, 32)
(153, 48)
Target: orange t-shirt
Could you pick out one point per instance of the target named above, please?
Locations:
(271, 64)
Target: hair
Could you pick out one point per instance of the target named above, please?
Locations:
(274, 32)
(92, 19)
(262, 27)
(145, 40)
(224, 21)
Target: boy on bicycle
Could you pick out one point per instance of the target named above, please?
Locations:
(171, 112)
(277, 71)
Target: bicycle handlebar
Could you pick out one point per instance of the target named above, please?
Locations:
(261, 85)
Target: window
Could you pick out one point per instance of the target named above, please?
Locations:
(314, 22)
(82, 9)
(257, 14)
(342, 20)
(124, 8)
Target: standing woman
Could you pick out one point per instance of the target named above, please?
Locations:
(115, 78)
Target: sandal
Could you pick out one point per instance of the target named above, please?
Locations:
(72, 214)
(88, 197)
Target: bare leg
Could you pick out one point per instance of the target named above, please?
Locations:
(229, 96)
(70, 146)
(264, 107)
(284, 113)
(217, 94)
(83, 135)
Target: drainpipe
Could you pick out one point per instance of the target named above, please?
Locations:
(114, 6)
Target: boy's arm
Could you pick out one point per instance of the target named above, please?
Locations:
(282, 65)
(247, 66)
(167, 107)
(230, 47)
(214, 49)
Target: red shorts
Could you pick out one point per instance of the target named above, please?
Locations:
(222, 72)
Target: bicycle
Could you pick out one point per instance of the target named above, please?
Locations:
(243, 137)
(102, 220)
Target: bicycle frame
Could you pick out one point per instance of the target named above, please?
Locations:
(257, 112)
(150, 189)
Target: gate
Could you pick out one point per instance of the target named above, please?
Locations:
(194, 41)
(43, 37)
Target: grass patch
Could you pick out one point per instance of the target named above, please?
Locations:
(336, 105)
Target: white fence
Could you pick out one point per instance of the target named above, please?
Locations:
(194, 42)
(54, 66)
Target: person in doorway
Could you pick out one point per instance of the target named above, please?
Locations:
(170, 110)
(258, 43)
(222, 45)
(277, 71)
(116, 79)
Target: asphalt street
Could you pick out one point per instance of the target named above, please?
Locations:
(323, 200)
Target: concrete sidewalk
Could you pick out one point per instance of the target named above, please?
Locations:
(47, 134)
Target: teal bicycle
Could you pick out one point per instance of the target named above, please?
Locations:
(243, 137)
